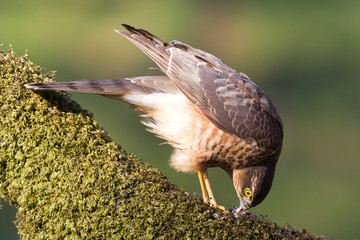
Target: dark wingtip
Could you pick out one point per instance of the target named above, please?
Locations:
(127, 27)
(133, 30)
(138, 31)
(142, 32)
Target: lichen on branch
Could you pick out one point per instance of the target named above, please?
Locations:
(68, 179)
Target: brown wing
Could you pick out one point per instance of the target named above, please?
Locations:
(227, 98)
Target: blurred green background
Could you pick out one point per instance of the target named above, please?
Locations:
(305, 55)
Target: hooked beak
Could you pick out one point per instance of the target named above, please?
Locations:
(242, 208)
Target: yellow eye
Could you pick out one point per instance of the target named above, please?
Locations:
(247, 192)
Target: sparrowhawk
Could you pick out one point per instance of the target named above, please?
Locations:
(212, 115)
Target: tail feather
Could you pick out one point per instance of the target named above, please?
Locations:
(114, 88)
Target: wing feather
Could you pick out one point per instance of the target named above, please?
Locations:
(227, 98)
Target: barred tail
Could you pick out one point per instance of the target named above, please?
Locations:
(114, 88)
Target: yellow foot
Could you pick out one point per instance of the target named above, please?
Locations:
(222, 208)
(208, 196)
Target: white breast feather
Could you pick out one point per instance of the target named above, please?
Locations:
(172, 115)
(173, 118)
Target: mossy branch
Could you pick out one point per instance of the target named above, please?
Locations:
(68, 179)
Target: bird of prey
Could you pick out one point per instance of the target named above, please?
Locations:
(212, 115)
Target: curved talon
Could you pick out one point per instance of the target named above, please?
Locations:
(222, 208)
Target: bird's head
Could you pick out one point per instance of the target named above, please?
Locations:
(252, 184)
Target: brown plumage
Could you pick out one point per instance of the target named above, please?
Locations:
(212, 115)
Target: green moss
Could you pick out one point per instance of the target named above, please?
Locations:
(68, 179)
